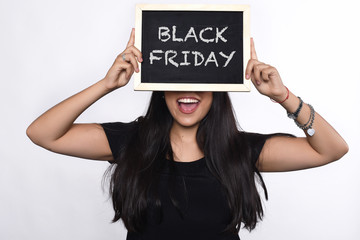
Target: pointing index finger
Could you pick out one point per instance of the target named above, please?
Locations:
(252, 47)
(132, 38)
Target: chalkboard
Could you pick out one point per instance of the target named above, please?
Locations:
(192, 47)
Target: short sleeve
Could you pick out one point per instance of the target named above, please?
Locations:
(118, 134)
(256, 142)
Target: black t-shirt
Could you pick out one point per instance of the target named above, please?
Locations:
(206, 211)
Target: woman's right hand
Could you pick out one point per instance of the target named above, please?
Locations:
(124, 65)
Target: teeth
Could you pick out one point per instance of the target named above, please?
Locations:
(188, 100)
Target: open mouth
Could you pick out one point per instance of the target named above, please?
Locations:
(188, 104)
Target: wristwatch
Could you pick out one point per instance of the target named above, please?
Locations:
(295, 114)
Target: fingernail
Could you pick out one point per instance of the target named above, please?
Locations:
(247, 76)
(258, 82)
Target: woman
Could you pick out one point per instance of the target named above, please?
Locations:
(184, 171)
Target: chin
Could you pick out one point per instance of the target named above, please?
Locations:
(187, 124)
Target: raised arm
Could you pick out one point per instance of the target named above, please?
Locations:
(286, 153)
(56, 131)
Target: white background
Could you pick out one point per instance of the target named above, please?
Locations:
(52, 49)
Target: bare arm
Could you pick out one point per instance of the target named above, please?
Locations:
(288, 154)
(55, 129)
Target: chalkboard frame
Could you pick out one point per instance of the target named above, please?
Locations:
(228, 87)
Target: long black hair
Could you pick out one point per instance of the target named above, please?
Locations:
(228, 157)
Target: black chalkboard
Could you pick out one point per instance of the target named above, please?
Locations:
(192, 50)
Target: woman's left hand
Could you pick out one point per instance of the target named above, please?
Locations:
(265, 77)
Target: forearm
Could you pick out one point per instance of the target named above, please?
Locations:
(55, 122)
(325, 141)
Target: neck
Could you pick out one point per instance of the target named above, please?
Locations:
(184, 144)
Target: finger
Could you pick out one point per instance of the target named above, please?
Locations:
(131, 59)
(129, 72)
(120, 64)
(257, 73)
(252, 47)
(249, 67)
(267, 72)
(123, 66)
(132, 38)
(136, 52)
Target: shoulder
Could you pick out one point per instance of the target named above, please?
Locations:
(255, 142)
(254, 139)
(118, 127)
(119, 134)
(259, 138)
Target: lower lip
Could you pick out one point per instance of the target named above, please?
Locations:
(188, 108)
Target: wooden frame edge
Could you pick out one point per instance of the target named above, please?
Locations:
(245, 87)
